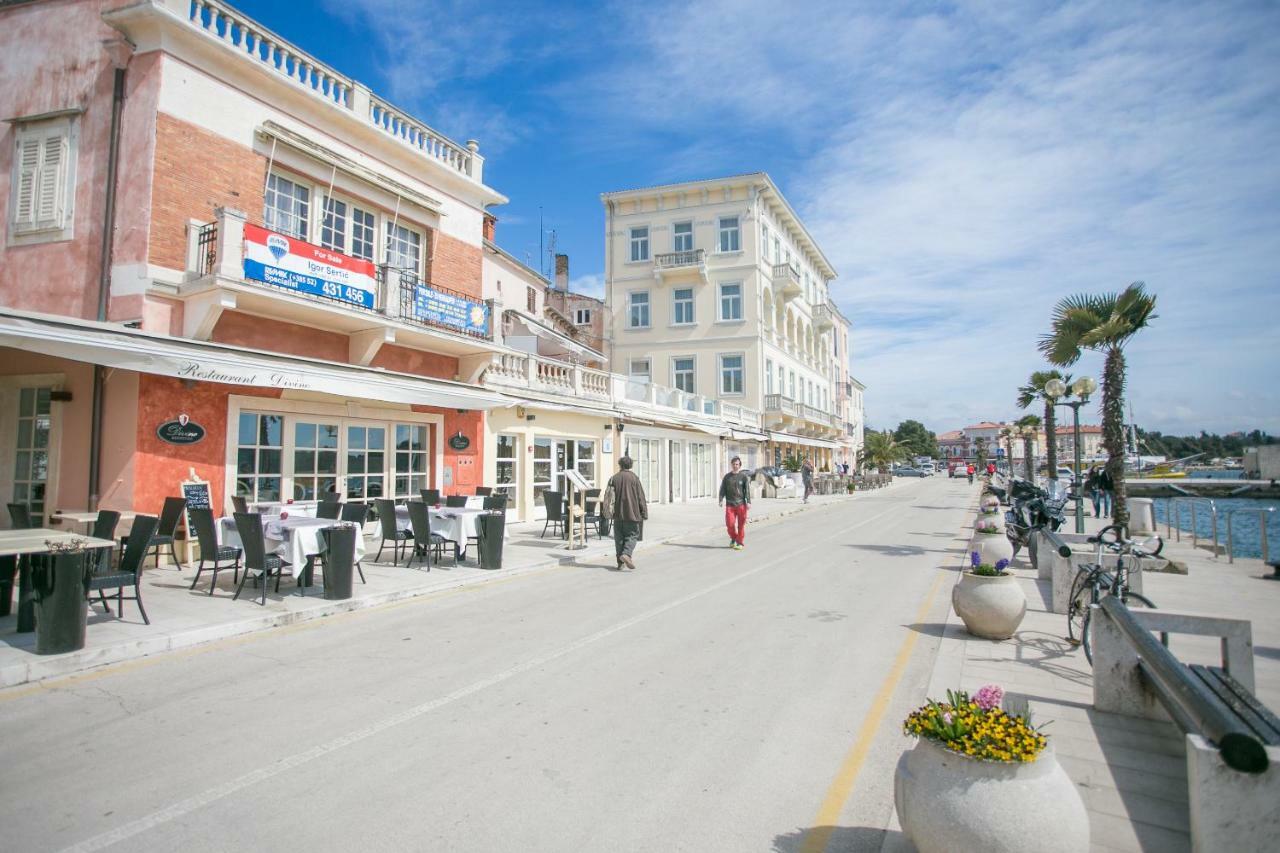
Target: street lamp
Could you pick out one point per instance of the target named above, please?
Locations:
(1081, 388)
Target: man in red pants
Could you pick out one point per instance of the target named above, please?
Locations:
(735, 497)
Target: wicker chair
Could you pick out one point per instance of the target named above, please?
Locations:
(129, 572)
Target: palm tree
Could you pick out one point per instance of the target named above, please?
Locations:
(1034, 390)
(881, 450)
(1029, 427)
(1103, 324)
(980, 449)
(1007, 434)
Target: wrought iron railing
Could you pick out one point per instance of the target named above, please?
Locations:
(207, 248)
(406, 283)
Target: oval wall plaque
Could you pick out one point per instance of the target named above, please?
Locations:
(180, 431)
(459, 442)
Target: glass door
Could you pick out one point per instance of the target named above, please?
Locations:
(507, 458)
(676, 467)
(31, 452)
(366, 472)
(315, 460)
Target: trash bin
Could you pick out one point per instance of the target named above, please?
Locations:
(490, 527)
(339, 560)
(8, 572)
(60, 586)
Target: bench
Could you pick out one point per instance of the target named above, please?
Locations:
(1232, 739)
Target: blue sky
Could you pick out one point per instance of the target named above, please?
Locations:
(963, 165)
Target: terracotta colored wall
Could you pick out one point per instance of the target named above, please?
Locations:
(248, 330)
(455, 265)
(197, 171)
(158, 466)
(467, 465)
(416, 361)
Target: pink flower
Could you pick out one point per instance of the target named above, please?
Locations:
(946, 718)
(989, 697)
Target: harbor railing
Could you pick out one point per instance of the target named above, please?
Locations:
(1173, 524)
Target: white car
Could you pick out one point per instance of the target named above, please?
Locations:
(1065, 473)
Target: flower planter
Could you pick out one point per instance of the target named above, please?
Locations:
(990, 502)
(993, 518)
(948, 802)
(991, 607)
(992, 547)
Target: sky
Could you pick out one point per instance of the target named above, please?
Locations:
(963, 165)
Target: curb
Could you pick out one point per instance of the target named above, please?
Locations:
(74, 663)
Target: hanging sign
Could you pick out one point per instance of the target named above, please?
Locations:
(444, 309)
(303, 267)
(459, 442)
(180, 431)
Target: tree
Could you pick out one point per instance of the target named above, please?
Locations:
(980, 450)
(1029, 427)
(918, 440)
(1103, 324)
(1007, 434)
(881, 450)
(1034, 390)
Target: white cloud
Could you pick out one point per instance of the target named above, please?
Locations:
(588, 285)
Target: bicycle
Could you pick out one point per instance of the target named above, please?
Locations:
(1093, 581)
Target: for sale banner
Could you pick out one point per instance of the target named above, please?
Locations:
(300, 266)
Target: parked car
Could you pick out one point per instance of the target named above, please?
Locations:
(910, 472)
(957, 469)
(1065, 473)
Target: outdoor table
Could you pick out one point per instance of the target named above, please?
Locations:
(39, 540)
(457, 524)
(296, 539)
(82, 516)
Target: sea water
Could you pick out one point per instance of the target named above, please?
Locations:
(1246, 530)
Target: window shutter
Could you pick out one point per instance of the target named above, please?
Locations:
(51, 200)
(28, 157)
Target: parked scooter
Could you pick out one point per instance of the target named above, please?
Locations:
(1033, 508)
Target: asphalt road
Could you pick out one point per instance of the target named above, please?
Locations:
(711, 700)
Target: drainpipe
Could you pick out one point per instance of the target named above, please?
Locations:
(119, 51)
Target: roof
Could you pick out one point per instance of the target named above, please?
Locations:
(985, 425)
(510, 258)
(954, 435)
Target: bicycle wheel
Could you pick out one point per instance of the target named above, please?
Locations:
(1078, 606)
(1129, 599)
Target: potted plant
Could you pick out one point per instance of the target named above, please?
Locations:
(989, 599)
(990, 541)
(981, 778)
(990, 503)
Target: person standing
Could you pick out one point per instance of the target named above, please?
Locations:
(1094, 491)
(626, 504)
(991, 469)
(1106, 489)
(806, 475)
(969, 469)
(735, 497)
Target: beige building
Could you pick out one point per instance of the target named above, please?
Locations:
(717, 289)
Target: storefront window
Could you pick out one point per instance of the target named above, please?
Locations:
(259, 453)
(315, 460)
(587, 461)
(31, 468)
(366, 462)
(508, 458)
(411, 460)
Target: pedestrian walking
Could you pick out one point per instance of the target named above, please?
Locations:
(969, 469)
(991, 469)
(624, 502)
(806, 475)
(1106, 491)
(1094, 491)
(735, 497)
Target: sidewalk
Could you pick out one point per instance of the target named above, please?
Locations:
(1131, 772)
(181, 617)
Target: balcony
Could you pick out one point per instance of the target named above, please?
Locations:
(824, 317)
(782, 412)
(786, 281)
(687, 264)
(235, 265)
(548, 376)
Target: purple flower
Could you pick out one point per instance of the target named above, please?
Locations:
(989, 697)
(1001, 565)
(946, 718)
(975, 559)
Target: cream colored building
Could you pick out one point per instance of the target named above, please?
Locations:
(717, 289)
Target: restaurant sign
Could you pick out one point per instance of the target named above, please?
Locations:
(305, 268)
(459, 441)
(180, 431)
(444, 309)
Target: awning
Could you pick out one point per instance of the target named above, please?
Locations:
(542, 330)
(743, 435)
(116, 346)
(787, 438)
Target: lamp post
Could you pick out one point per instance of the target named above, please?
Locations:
(1081, 388)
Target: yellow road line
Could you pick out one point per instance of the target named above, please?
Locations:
(815, 841)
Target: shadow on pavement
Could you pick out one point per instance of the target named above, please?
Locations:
(929, 629)
(900, 550)
(847, 839)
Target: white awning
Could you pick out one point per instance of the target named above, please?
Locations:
(744, 435)
(542, 330)
(787, 438)
(116, 346)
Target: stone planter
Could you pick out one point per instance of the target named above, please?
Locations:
(991, 607)
(950, 802)
(993, 547)
(996, 518)
(990, 502)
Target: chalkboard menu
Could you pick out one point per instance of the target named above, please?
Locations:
(198, 497)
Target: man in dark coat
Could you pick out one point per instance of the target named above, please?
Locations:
(630, 510)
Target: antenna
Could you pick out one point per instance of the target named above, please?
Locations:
(540, 255)
(550, 256)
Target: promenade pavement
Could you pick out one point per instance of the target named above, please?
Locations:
(1131, 772)
(182, 617)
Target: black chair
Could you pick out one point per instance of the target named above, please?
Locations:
(431, 497)
(239, 504)
(105, 528)
(496, 503)
(425, 543)
(386, 509)
(554, 502)
(355, 512)
(483, 491)
(257, 561)
(170, 515)
(129, 572)
(21, 516)
(591, 510)
(456, 501)
(210, 550)
(330, 510)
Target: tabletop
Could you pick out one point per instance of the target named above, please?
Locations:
(39, 539)
(83, 516)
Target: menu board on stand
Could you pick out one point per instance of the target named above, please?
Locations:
(198, 496)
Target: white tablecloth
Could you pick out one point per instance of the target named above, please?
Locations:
(294, 538)
(455, 524)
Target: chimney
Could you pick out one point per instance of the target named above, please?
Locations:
(562, 272)
(490, 226)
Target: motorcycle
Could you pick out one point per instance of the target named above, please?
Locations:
(1033, 509)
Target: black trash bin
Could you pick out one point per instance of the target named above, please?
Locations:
(60, 585)
(490, 527)
(339, 560)
(8, 573)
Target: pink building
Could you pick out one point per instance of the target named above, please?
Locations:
(208, 226)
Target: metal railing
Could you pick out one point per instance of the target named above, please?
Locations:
(1173, 524)
(207, 248)
(407, 283)
(676, 260)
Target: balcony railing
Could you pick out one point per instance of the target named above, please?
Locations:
(786, 280)
(677, 260)
(270, 51)
(823, 316)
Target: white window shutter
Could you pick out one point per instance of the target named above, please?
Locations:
(51, 201)
(28, 162)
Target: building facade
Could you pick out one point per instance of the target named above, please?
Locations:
(716, 289)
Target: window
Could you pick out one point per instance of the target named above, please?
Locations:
(731, 374)
(346, 225)
(682, 374)
(404, 249)
(43, 181)
(287, 207)
(768, 376)
(682, 237)
(764, 241)
(366, 461)
(31, 463)
(777, 250)
(682, 306)
(639, 244)
(638, 310)
(333, 230)
(639, 369)
(507, 457)
(586, 461)
(259, 452)
(782, 380)
(411, 460)
(315, 460)
(362, 231)
(792, 378)
(729, 234)
(582, 316)
(531, 299)
(731, 301)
